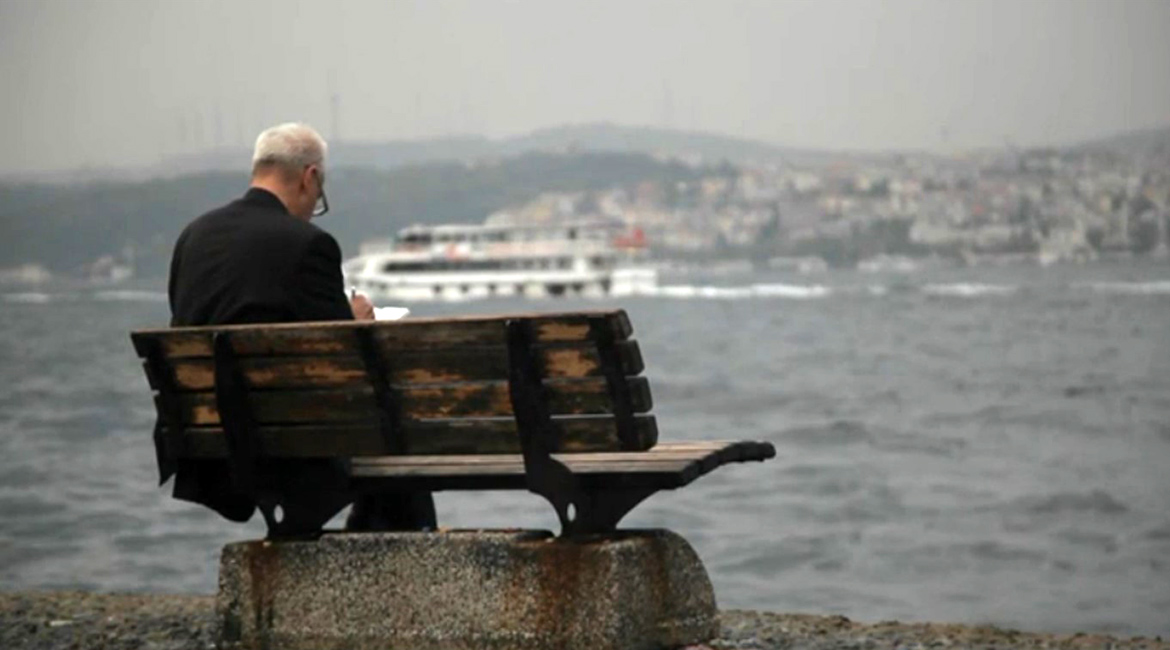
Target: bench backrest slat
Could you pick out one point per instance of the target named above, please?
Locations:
(464, 436)
(439, 365)
(466, 399)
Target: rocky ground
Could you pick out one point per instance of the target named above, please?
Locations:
(766, 630)
(81, 621)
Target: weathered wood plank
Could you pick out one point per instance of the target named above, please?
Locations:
(666, 466)
(327, 338)
(435, 437)
(475, 400)
(516, 467)
(664, 453)
(446, 365)
(667, 453)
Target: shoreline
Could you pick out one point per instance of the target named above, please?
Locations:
(82, 620)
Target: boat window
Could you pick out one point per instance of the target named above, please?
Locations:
(416, 238)
(565, 263)
(401, 267)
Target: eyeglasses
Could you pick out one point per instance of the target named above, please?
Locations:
(322, 203)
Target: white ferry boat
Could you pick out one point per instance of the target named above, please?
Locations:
(459, 262)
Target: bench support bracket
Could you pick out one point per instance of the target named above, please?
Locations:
(580, 510)
(296, 497)
(378, 374)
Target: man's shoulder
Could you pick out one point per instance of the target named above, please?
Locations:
(224, 215)
(246, 217)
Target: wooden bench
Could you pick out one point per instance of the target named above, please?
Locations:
(551, 403)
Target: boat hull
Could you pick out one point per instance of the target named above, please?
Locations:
(453, 286)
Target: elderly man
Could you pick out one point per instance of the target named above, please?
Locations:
(259, 259)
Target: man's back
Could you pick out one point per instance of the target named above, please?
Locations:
(259, 260)
(249, 261)
(252, 262)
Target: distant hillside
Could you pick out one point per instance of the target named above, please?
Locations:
(670, 142)
(398, 153)
(67, 227)
(1142, 140)
(579, 138)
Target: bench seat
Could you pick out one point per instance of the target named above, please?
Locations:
(554, 403)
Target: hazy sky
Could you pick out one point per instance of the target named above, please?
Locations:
(128, 82)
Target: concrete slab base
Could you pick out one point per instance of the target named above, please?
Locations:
(466, 589)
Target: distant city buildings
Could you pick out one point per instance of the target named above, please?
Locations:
(1046, 205)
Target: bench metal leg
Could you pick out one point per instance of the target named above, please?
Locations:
(599, 511)
(296, 497)
(580, 511)
(544, 474)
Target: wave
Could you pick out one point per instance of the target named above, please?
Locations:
(31, 297)
(689, 291)
(130, 295)
(1069, 503)
(954, 289)
(831, 434)
(969, 289)
(1156, 287)
(112, 295)
(790, 290)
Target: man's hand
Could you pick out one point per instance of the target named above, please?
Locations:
(361, 306)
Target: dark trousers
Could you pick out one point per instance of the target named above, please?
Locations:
(392, 511)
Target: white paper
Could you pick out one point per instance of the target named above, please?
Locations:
(390, 313)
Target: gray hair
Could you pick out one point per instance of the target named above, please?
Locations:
(290, 146)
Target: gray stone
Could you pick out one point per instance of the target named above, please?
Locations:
(466, 589)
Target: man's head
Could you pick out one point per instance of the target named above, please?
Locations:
(289, 161)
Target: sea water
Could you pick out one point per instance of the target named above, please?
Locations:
(985, 445)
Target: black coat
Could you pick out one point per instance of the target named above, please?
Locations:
(249, 261)
(252, 262)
